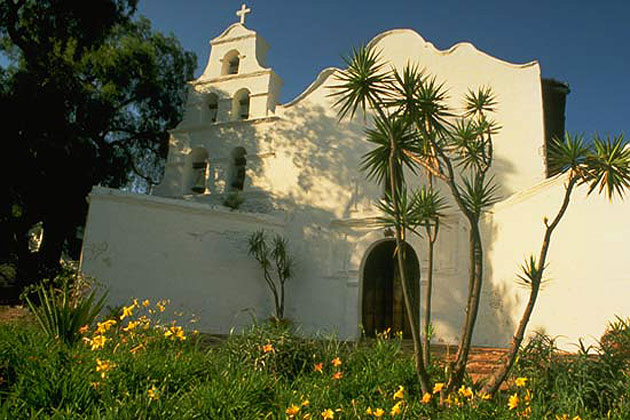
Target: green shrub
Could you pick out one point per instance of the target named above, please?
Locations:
(156, 372)
(61, 311)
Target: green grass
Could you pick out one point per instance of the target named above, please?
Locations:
(261, 373)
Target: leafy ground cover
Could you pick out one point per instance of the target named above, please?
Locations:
(136, 364)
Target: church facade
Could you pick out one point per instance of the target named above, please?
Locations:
(240, 161)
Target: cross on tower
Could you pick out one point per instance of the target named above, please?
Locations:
(243, 12)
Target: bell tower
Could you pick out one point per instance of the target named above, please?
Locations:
(236, 85)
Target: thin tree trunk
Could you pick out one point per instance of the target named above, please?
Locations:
(426, 306)
(422, 374)
(274, 291)
(472, 307)
(499, 377)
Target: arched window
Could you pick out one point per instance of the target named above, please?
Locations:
(213, 107)
(199, 160)
(237, 170)
(231, 62)
(240, 105)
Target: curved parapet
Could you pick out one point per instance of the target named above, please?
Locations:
(519, 146)
(459, 48)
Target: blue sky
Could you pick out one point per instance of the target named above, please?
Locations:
(584, 43)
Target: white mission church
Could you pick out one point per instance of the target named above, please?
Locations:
(296, 169)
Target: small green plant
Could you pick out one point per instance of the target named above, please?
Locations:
(61, 311)
(276, 264)
(233, 201)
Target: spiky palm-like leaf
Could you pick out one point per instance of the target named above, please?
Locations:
(531, 274)
(405, 86)
(406, 218)
(567, 154)
(479, 193)
(608, 166)
(375, 163)
(468, 145)
(280, 255)
(479, 103)
(433, 112)
(429, 206)
(363, 84)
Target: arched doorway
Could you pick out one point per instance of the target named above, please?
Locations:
(382, 300)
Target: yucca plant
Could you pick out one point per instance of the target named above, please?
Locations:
(61, 312)
(413, 127)
(274, 259)
(367, 86)
(603, 165)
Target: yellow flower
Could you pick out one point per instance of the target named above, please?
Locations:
(174, 331)
(336, 362)
(520, 382)
(292, 410)
(400, 394)
(145, 303)
(426, 398)
(368, 411)
(438, 387)
(127, 311)
(153, 393)
(396, 409)
(268, 348)
(83, 329)
(484, 396)
(328, 414)
(513, 402)
(131, 325)
(103, 327)
(319, 367)
(161, 305)
(337, 375)
(103, 366)
(98, 342)
(465, 392)
(180, 333)
(306, 416)
(378, 412)
(306, 403)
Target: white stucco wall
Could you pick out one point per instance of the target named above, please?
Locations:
(588, 267)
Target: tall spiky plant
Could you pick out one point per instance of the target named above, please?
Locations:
(604, 165)
(459, 152)
(367, 86)
(409, 104)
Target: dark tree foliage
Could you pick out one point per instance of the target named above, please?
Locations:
(87, 94)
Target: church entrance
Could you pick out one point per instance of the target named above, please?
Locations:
(383, 305)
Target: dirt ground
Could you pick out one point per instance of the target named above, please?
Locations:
(13, 314)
